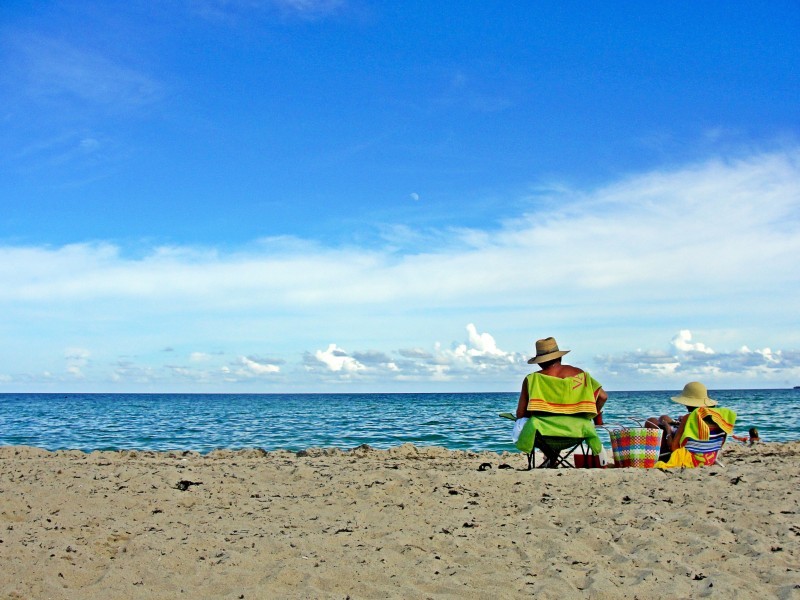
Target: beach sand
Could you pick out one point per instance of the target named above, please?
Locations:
(401, 523)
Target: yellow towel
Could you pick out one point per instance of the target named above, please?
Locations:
(679, 458)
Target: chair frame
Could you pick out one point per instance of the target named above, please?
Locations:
(566, 447)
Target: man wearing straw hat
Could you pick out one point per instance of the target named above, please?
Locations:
(559, 388)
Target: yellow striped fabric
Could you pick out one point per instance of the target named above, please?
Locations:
(569, 396)
(696, 428)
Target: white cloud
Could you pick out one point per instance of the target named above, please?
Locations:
(683, 342)
(483, 344)
(689, 360)
(479, 356)
(184, 372)
(478, 361)
(78, 355)
(77, 359)
(259, 367)
(336, 359)
(127, 372)
(687, 237)
(711, 247)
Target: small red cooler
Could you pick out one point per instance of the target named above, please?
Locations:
(586, 461)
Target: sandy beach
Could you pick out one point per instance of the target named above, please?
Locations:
(401, 523)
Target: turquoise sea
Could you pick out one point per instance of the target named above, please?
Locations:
(204, 422)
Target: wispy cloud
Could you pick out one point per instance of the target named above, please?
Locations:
(716, 230)
(310, 8)
(467, 93)
(228, 11)
(65, 100)
(77, 359)
(53, 71)
(710, 248)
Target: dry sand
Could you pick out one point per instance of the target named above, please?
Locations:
(399, 523)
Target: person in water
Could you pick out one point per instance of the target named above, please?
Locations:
(751, 438)
(559, 388)
(695, 398)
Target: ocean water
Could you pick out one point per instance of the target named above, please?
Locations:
(204, 422)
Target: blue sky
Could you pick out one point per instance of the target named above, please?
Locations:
(351, 195)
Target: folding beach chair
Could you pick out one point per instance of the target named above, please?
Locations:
(695, 453)
(557, 451)
(557, 437)
(705, 452)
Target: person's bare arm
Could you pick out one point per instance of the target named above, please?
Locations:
(676, 438)
(600, 399)
(522, 405)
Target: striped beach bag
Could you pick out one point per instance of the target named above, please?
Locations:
(635, 446)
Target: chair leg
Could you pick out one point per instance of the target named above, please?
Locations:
(551, 457)
(562, 460)
(566, 456)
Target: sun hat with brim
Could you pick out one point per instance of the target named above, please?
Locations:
(694, 394)
(546, 349)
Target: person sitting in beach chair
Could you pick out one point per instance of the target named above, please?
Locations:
(697, 437)
(557, 406)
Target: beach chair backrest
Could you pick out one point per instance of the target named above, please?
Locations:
(706, 452)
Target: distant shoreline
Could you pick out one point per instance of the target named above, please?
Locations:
(345, 393)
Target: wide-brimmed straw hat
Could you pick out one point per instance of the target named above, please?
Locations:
(694, 394)
(546, 349)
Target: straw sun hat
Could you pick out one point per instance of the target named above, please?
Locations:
(694, 394)
(546, 349)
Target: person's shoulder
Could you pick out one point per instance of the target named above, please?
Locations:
(570, 371)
